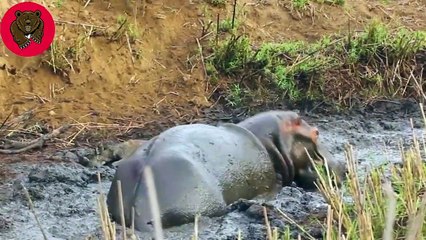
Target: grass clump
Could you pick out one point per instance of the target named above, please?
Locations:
(302, 4)
(217, 3)
(377, 62)
(126, 29)
(64, 57)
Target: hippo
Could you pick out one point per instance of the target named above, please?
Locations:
(287, 150)
(201, 169)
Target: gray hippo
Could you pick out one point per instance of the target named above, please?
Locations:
(275, 129)
(201, 169)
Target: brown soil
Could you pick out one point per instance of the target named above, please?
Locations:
(167, 80)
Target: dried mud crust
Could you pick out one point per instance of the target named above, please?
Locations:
(104, 84)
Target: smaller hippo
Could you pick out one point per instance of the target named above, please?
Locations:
(275, 129)
(202, 169)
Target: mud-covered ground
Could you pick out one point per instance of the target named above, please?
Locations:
(64, 192)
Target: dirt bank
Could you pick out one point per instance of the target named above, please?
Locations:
(102, 70)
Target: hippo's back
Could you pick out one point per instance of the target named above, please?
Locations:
(229, 154)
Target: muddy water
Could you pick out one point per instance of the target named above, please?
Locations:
(65, 194)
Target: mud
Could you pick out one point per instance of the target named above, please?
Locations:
(64, 192)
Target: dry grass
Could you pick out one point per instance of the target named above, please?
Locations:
(386, 204)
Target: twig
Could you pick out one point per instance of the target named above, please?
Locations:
(217, 29)
(5, 120)
(37, 143)
(268, 226)
(133, 221)
(79, 24)
(390, 213)
(33, 211)
(153, 201)
(195, 237)
(108, 228)
(87, 3)
(416, 222)
(203, 62)
(130, 48)
(233, 13)
(120, 203)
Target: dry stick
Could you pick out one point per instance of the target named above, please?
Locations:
(37, 143)
(268, 226)
(33, 211)
(287, 218)
(5, 120)
(195, 228)
(87, 3)
(21, 118)
(79, 24)
(135, 12)
(153, 202)
(133, 221)
(130, 48)
(217, 29)
(415, 224)
(203, 63)
(390, 213)
(419, 85)
(120, 202)
(233, 13)
(102, 211)
(329, 221)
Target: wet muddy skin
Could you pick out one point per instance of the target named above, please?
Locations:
(64, 194)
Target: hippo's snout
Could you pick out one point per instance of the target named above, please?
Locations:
(307, 176)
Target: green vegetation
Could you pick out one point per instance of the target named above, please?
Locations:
(58, 3)
(377, 62)
(301, 4)
(64, 56)
(216, 2)
(126, 28)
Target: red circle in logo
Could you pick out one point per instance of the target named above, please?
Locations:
(27, 29)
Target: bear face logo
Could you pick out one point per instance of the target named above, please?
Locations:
(27, 25)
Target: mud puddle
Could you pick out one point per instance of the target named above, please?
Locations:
(65, 194)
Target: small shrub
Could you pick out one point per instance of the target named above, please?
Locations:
(217, 2)
(378, 62)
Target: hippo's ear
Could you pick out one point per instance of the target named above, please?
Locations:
(289, 125)
(297, 121)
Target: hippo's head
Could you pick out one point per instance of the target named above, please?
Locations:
(306, 176)
(298, 139)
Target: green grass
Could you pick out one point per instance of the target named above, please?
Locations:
(217, 3)
(302, 4)
(377, 62)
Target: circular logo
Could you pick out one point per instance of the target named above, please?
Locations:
(27, 29)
